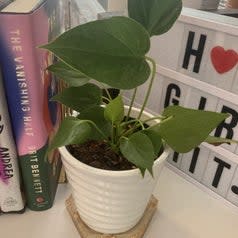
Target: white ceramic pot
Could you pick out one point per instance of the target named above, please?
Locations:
(110, 201)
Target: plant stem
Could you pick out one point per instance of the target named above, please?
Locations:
(162, 121)
(141, 123)
(131, 121)
(150, 86)
(154, 118)
(105, 98)
(131, 104)
(96, 127)
(107, 92)
(133, 128)
(114, 139)
(113, 134)
(166, 119)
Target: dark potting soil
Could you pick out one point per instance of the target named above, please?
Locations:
(98, 154)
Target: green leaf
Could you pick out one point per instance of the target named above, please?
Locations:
(139, 150)
(155, 138)
(72, 77)
(217, 140)
(142, 172)
(157, 16)
(80, 98)
(96, 115)
(71, 131)
(184, 129)
(111, 51)
(114, 111)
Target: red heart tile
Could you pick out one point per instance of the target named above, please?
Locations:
(223, 60)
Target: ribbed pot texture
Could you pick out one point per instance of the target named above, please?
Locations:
(110, 201)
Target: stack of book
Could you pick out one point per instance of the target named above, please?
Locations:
(25, 89)
(28, 119)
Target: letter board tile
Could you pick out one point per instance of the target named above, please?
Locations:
(194, 163)
(234, 88)
(114, 5)
(236, 151)
(221, 66)
(174, 92)
(154, 103)
(161, 53)
(232, 195)
(198, 99)
(175, 159)
(193, 4)
(194, 54)
(219, 173)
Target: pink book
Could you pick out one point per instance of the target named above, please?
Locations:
(24, 25)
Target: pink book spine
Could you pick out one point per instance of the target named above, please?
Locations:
(28, 88)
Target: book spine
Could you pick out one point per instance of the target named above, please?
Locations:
(10, 192)
(29, 87)
(4, 3)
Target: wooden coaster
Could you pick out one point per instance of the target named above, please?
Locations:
(62, 177)
(136, 232)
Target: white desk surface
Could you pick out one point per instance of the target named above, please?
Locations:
(184, 211)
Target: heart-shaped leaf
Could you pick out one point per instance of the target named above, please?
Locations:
(184, 128)
(69, 75)
(111, 51)
(80, 98)
(71, 131)
(114, 110)
(155, 138)
(157, 16)
(139, 150)
(96, 115)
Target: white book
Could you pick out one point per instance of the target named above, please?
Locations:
(10, 193)
(83, 11)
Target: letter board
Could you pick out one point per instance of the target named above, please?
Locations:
(197, 67)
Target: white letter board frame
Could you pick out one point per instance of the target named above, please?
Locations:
(191, 41)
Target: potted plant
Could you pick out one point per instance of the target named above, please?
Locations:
(113, 153)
